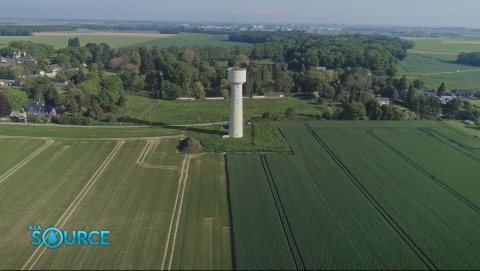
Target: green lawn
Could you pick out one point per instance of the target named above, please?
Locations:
(161, 207)
(190, 40)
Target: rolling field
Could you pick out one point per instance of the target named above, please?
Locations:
(435, 69)
(357, 195)
(133, 184)
(471, 44)
(125, 39)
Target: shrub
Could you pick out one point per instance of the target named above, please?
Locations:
(190, 145)
(291, 113)
(74, 119)
(34, 118)
(111, 118)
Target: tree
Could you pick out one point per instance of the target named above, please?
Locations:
(95, 110)
(290, 113)
(170, 91)
(136, 59)
(146, 60)
(441, 91)
(391, 92)
(418, 83)
(283, 83)
(5, 108)
(373, 110)
(17, 99)
(198, 90)
(93, 74)
(355, 111)
(366, 97)
(121, 101)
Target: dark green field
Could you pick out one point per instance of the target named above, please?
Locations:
(359, 195)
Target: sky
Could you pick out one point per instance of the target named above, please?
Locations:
(366, 12)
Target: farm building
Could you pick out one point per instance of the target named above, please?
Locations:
(445, 99)
(321, 68)
(274, 95)
(16, 116)
(53, 68)
(384, 101)
(60, 82)
(462, 92)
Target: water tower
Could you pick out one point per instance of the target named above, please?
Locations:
(236, 77)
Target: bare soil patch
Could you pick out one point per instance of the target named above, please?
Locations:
(433, 53)
(110, 34)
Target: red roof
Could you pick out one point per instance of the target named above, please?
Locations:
(18, 80)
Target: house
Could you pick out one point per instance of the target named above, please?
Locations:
(290, 73)
(384, 101)
(60, 82)
(41, 73)
(53, 68)
(274, 95)
(3, 61)
(445, 99)
(41, 109)
(16, 116)
(321, 68)
(462, 92)
(18, 58)
(15, 83)
(383, 77)
(431, 93)
(2, 83)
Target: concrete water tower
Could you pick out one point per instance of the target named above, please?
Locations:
(236, 77)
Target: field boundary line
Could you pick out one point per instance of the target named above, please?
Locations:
(26, 160)
(426, 173)
(179, 212)
(287, 230)
(172, 221)
(78, 200)
(401, 233)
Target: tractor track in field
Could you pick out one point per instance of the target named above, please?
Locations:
(292, 244)
(426, 173)
(401, 233)
(463, 149)
(73, 206)
(149, 147)
(25, 161)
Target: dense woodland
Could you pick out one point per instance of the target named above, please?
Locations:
(173, 72)
(469, 58)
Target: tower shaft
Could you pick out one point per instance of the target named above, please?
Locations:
(236, 111)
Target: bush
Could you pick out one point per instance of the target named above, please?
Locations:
(34, 118)
(190, 145)
(291, 113)
(75, 119)
(111, 118)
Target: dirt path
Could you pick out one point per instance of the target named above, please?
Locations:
(30, 157)
(477, 70)
(61, 222)
(434, 53)
(149, 147)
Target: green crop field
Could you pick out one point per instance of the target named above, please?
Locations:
(435, 69)
(458, 45)
(161, 207)
(190, 40)
(358, 195)
(180, 40)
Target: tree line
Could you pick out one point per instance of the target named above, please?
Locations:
(472, 58)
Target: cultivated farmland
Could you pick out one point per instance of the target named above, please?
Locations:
(131, 182)
(357, 195)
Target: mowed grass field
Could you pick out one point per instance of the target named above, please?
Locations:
(160, 206)
(435, 69)
(359, 195)
(119, 39)
(163, 112)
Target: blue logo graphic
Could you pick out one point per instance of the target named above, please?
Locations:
(53, 237)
